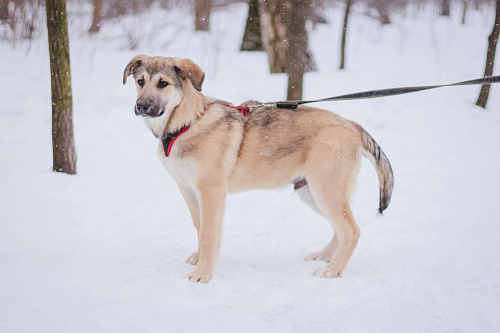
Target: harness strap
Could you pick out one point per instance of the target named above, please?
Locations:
(169, 139)
(243, 109)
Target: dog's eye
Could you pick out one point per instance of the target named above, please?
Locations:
(162, 84)
(140, 82)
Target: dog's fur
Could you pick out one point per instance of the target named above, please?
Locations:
(223, 152)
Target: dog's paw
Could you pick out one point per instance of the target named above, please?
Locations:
(193, 259)
(327, 272)
(199, 276)
(318, 256)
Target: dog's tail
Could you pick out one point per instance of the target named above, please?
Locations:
(381, 163)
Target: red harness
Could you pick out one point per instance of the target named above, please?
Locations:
(170, 138)
(243, 109)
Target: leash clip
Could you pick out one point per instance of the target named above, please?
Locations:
(287, 104)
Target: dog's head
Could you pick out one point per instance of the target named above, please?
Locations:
(161, 83)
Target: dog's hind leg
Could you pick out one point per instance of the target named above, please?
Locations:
(348, 235)
(331, 187)
(330, 249)
(325, 254)
(338, 211)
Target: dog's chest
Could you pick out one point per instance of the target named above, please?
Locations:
(182, 169)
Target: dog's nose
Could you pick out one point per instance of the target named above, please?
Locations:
(142, 107)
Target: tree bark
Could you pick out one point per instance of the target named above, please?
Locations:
(275, 16)
(296, 51)
(136, 6)
(445, 7)
(63, 147)
(383, 12)
(4, 10)
(344, 33)
(252, 39)
(464, 12)
(202, 10)
(97, 17)
(490, 58)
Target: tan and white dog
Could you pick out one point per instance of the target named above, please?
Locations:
(221, 151)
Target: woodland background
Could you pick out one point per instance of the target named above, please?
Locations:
(104, 250)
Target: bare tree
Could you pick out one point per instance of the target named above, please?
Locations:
(97, 17)
(344, 33)
(383, 11)
(252, 39)
(296, 51)
(63, 147)
(464, 12)
(202, 11)
(490, 58)
(445, 8)
(317, 13)
(136, 6)
(275, 16)
(4, 10)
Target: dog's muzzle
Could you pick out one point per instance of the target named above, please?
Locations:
(142, 108)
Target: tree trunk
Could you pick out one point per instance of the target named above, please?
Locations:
(344, 33)
(490, 58)
(445, 7)
(136, 6)
(119, 8)
(296, 51)
(464, 13)
(317, 14)
(383, 11)
(63, 148)
(202, 10)
(274, 19)
(4, 10)
(97, 17)
(252, 39)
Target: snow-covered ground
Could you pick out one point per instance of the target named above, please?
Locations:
(104, 251)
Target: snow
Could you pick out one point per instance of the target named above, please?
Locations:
(104, 251)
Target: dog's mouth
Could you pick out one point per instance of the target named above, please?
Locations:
(153, 113)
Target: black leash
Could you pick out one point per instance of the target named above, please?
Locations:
(385, 92)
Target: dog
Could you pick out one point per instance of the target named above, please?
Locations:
(212, 149)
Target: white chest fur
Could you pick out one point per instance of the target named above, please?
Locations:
(182, 169)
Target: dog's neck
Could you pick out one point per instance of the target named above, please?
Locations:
(191, 108)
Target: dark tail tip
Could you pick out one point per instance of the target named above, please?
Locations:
(383, 203)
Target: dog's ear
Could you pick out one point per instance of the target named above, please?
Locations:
(135, 63)
(186, 68)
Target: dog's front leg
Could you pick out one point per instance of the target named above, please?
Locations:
(194, 209)
(212, 199)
